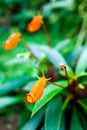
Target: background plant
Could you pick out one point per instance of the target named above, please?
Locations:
(66, 22)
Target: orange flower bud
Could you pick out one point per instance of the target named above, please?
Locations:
(12, 41)
(36, 91)
(35, 24)
(63, 67)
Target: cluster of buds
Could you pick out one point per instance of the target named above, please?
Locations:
(13, 39)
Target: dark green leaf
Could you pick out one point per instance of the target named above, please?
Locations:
(53, 112)
(33, 122)
(75, 122)
(82, 62)
(83, 118)
(23, 118)
(83, 103)
(83, 79)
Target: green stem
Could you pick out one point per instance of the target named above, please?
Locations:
(63, 108)
(58, 85)
(67, 101)
(47, 34)
(28, 48)
(67, 77)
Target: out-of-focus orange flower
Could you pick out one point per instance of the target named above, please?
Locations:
(36, 91)
(35, 24)
(12, 41)
(63, 67)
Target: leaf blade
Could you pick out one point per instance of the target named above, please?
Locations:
(7, 87)
(53, 110)
(75, 122)
(33, 122)
(82, 62)
(9, 100)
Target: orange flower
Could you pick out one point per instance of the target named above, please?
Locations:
(35, 24)
(63, 67)
(36, 91)
(12, 41)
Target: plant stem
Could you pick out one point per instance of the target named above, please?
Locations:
(67, 77)
(67, 101)
(47, 34)
(58, 85)
(63, 108)
(28, 48)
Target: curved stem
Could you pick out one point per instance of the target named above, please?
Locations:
(58, 85)
(67, 101)
(28, 48)
(47, 34)
(63, 108)
(67, 77)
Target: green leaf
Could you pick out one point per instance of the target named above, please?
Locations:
(53, 56)
(12, 85)
(42, 128)
(82, 62)
(57, 4)
(75, 122)
(82, 33)
(53, 111)
(17, 61)
(8, 101)
(35, 48)
(83, 103)
(29, 107)
(29, 85)
(75, 54)
(21, 60)
(83, 79)
(62, 44)
(23, 118)
(41, 50)
(62, 125)
(83, 118)
(49, 92)
(24, 15)
(81, 74)
(33, 122)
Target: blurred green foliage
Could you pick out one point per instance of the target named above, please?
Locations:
(58, 108)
